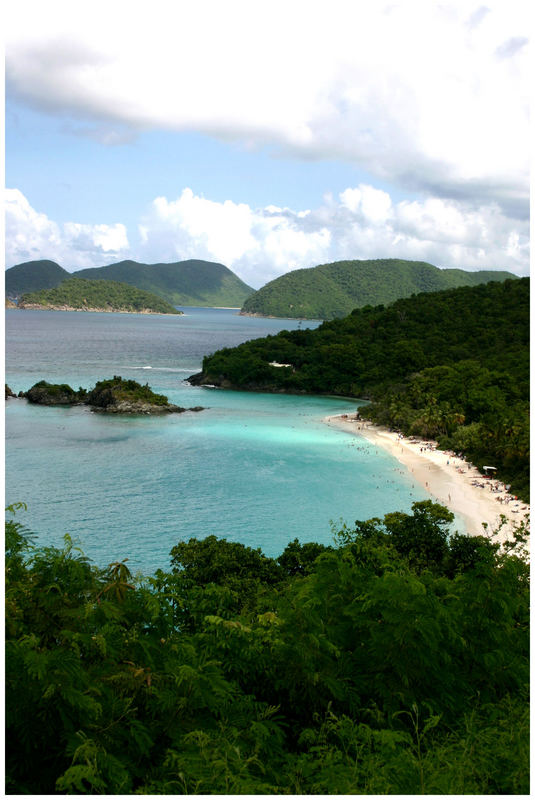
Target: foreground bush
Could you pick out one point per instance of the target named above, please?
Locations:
(395, 662)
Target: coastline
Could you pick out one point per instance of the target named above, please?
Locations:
(40, 307)
(449, 479)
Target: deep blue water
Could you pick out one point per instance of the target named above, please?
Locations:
(261, 469)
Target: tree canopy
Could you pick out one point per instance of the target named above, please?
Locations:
(81, 294)
(334, 290)
(394, 662)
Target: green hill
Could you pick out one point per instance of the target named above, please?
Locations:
(334, 290)
(450, 365)
(83, 295)
(31, 276)
(186, 283)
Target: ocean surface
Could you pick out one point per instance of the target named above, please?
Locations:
(260, 469)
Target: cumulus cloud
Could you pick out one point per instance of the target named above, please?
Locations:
(363, 222)
(261, 244)
(31, 235)
(431, 96)
(257, 244)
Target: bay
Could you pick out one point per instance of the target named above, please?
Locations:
(260, 469)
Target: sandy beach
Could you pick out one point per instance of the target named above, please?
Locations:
(448, 479)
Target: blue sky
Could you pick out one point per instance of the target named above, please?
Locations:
(268, 138)
(69, 181)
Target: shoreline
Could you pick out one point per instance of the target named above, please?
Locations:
(38, 307)
(448, 479)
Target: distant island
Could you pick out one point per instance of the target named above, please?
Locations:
(77, 294)
(112, 396)
(182, 283)
(329, 291)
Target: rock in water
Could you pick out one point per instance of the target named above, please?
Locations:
(53, 394)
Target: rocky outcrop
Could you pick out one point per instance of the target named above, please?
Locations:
(221, 382)
(137, 407)
(53, 394)
(200, 379)
(9, 392)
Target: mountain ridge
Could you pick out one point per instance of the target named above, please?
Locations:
(190, 282)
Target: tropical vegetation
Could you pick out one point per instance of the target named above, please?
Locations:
(106, 395)
(79, 294)
(450, 365)
(395, 661)
(188, 283)
(334, 290)
(32, 276)
(183, 283)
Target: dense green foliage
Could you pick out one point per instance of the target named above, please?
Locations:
(395, 662)
(82, 294)
(451, 365)
(184, 283)
(105, 393)
(61, 394)
(115, 390)
(31, 276)
(334, 290)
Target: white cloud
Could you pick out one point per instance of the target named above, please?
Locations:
(374, 204)
(257, 244)
(209, 227)
(261, 244)
(31, 236)
(432, 96)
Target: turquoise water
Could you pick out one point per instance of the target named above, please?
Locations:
(261, 469)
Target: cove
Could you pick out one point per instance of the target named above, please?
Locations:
(261, 469)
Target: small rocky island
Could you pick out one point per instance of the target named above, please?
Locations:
(112, 396)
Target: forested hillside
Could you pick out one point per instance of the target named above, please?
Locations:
(450, 365)
(80, 294)
(334, 290)
(394, 662)
(188, 283)
(32, 276)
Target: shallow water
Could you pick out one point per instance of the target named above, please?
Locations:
(261, 469)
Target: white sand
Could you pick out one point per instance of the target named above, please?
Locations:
(447, 478)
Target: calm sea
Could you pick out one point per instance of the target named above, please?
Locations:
(260, 469)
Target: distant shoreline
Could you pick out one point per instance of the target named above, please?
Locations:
(450, 480)
(39, 307)
(274, 316)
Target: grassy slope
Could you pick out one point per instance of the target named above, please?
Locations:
(334, 290)
(80, 293)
